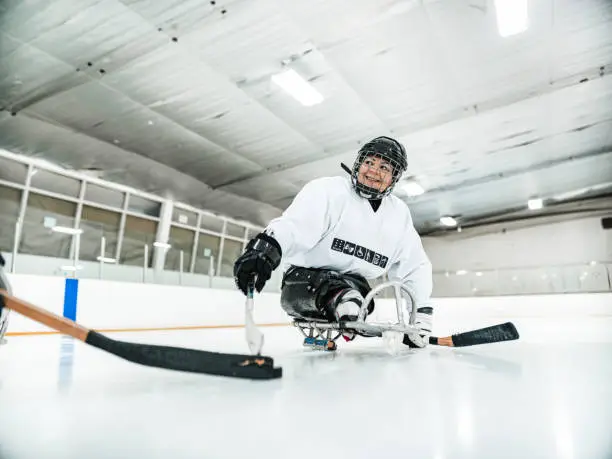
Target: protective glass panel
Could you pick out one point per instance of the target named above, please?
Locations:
(144, 206)
(56, 183)
(234, 230)
(97, 224)
(45, 224)
(181, 240)
(207, 253)
(231, 251)
(184, 217)
(12, 171)
(102, 195)
(138, 233)
(211, 223)
(10, 200)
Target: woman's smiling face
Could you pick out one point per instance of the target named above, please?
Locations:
(375, 173)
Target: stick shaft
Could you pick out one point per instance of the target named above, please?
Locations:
(171, 358)
(42, 316)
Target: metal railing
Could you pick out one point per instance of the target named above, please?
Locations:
(92, 252)
(588, 277)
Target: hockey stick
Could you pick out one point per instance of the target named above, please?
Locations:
(494, 334)
(171, 358)
(254, 336)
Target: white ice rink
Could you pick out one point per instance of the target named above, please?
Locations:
(548, 395)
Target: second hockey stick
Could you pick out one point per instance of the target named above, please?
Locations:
(494, 334)
(170, 358)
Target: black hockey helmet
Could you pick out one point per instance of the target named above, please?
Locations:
(387, 149)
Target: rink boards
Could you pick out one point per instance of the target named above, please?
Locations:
(123, 306)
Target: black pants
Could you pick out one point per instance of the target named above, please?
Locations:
(306, 293)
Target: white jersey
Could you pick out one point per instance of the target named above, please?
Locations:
(329, 226)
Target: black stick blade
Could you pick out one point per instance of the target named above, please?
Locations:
(190, 360)
(494, 334)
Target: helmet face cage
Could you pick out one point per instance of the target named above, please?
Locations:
(388, 150)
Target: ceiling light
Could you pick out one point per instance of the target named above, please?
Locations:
(448, 221)
(106, 260)
(71, 268)
(512, 16)
(161, 245)
(412, 189)
(535, 204)
(66, 230)
(297, 87)
(461, 272)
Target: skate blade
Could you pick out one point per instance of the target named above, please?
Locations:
(320, 344)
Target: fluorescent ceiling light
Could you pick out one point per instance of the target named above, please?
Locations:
(66, 230)
(535, 204)
(461, 272)
(298, 87)
(413, 189)
(512, 16)
(448, 221)
(162, 245)
(71, 268)
(106, 260)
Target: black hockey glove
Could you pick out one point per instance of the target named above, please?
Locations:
(262, 256)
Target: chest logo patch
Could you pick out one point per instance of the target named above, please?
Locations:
(349, 248)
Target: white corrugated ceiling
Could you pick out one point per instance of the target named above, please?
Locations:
(175, 97)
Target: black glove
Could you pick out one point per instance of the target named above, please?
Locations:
(262, 256)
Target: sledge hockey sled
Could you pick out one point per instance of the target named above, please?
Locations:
(321, 334)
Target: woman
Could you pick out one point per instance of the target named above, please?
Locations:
(337, 233)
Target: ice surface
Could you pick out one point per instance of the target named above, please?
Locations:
(546, 397)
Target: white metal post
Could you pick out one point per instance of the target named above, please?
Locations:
(102, 254)
(15, 246)
(211, 271)
(181, 267)
(145, 263)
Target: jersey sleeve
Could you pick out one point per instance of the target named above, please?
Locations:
(413, 266)
(305, 221)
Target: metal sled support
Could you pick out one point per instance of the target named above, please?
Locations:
(370, 329)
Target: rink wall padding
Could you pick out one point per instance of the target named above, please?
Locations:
(71, 293)
(118, 306)
(121, 306)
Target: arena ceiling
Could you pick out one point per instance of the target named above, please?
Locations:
(176, 97)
